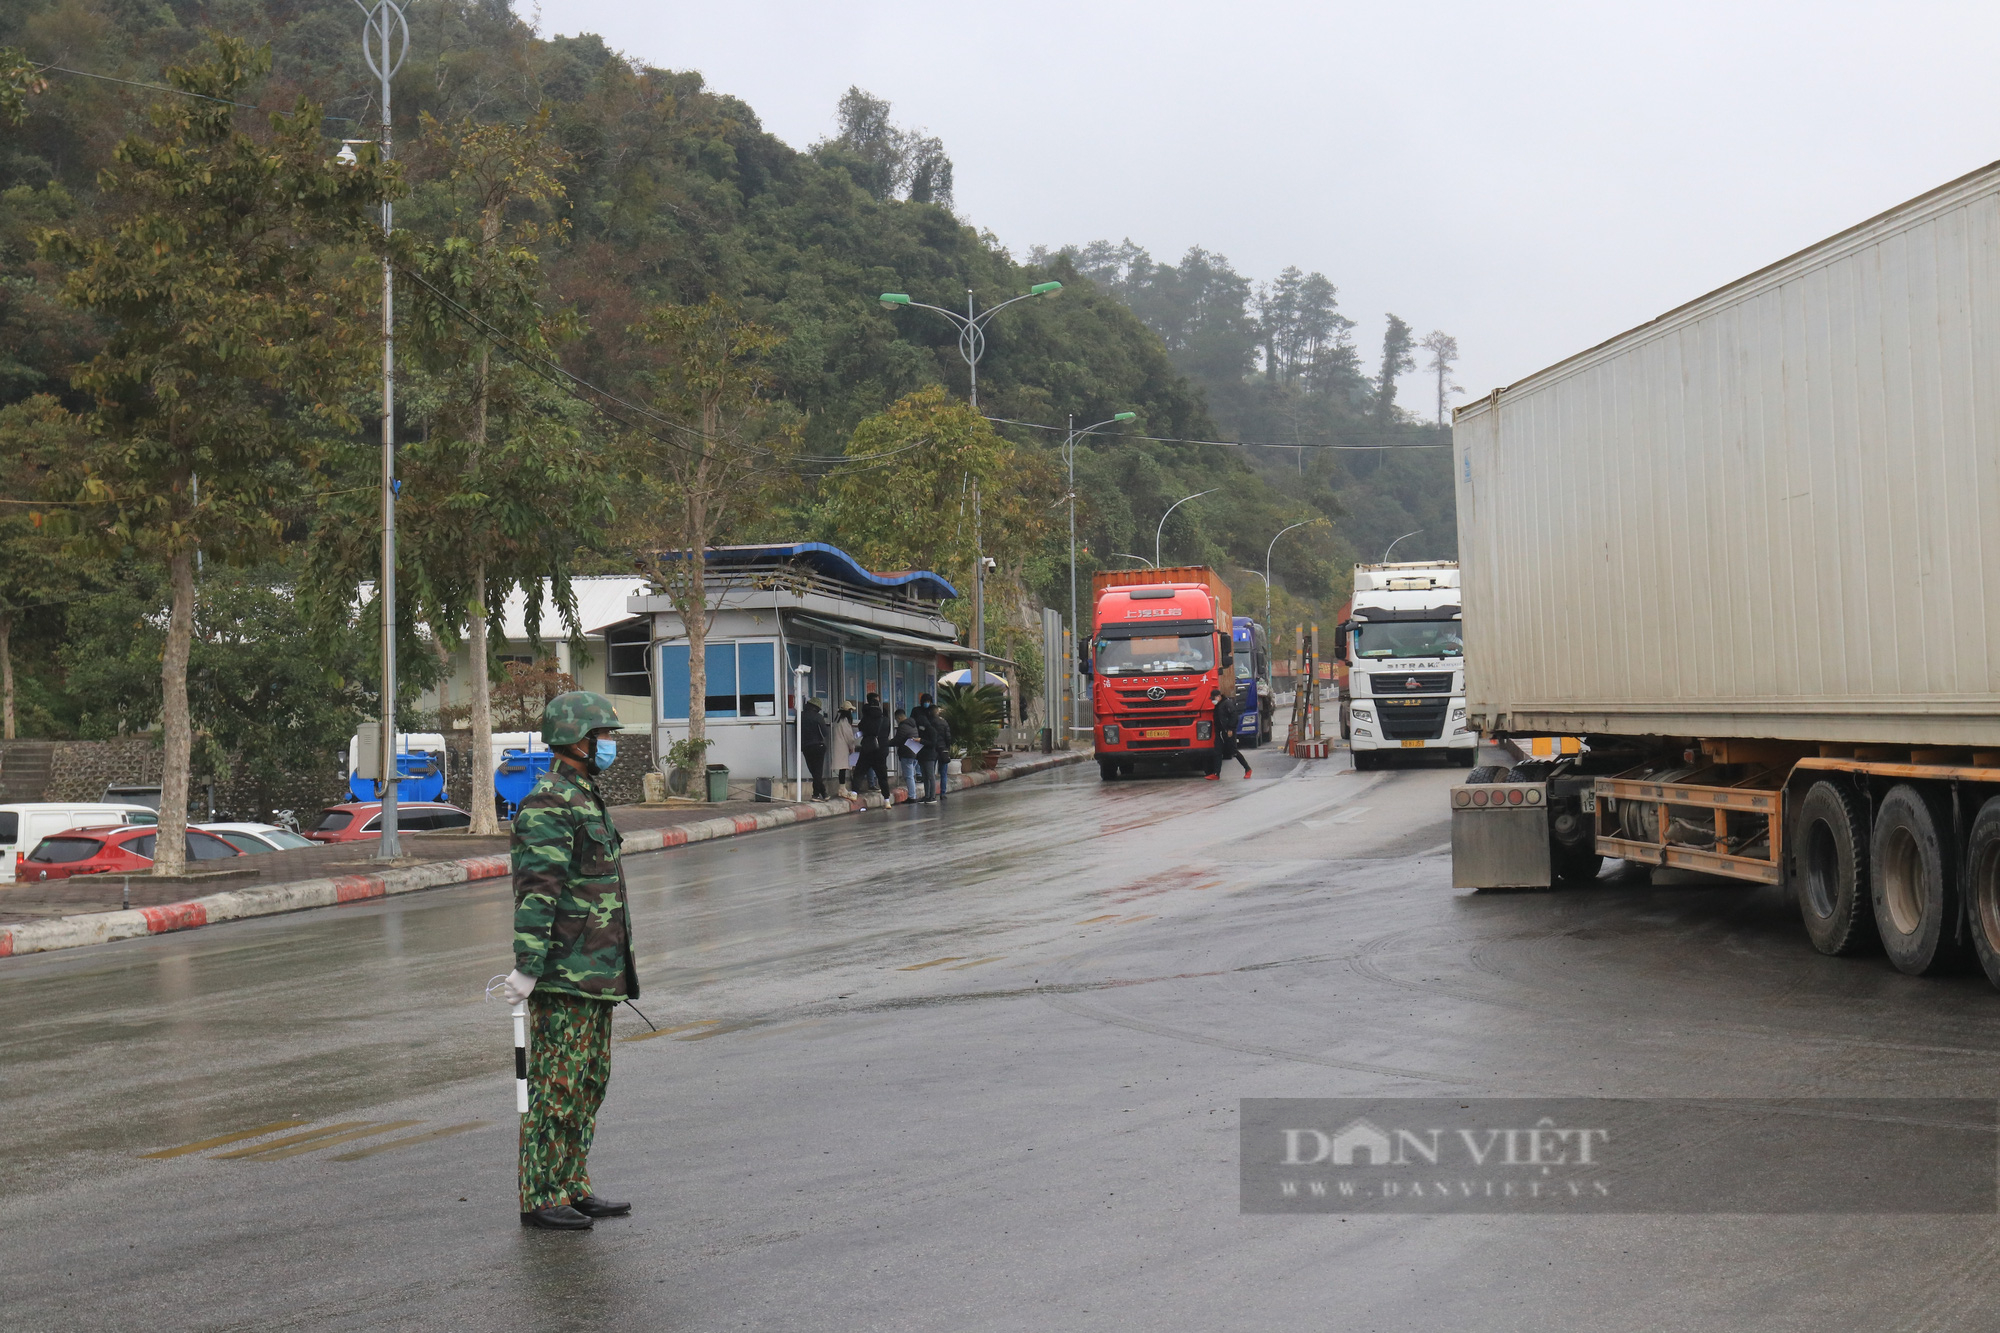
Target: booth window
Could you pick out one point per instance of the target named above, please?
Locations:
(625, 665)
(742, 680)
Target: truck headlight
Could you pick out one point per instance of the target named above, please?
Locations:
(1111, 733)
(1458, 715)
(1363, 715)
(1202, 730)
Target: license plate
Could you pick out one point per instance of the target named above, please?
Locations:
(1413, 745)
(1157, 734)
(1589, 802)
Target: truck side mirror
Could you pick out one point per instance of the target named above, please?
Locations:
(1340, 639)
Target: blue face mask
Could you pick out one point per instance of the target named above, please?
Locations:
(604, 755)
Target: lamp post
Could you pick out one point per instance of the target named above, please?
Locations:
(1124, 555)
(971, 327)
(385, 40)
(1069, 458)
(1267, 567)
(1161, 531)
(1394, 544)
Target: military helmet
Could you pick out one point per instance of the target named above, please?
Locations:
(571, 717)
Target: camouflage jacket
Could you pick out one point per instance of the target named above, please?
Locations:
(572, 928)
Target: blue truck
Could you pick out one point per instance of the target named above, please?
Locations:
(1253, 682)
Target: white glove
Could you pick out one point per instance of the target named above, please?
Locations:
(517, 987)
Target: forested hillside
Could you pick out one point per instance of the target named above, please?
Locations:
(622, 191)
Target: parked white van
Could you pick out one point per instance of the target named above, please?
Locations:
(24, 825)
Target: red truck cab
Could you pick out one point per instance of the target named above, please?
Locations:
(1160, 647)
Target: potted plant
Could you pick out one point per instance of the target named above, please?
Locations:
(685, 767)
(973, 712)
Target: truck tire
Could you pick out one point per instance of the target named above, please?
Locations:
(1982, 882)
(1913, 882)
(1831, 871)
(1107, 771)
(1486, 773)
(1575, 865)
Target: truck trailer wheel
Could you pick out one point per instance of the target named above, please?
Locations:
(1486, 773)
(1982, 910)
(1914, 884)
(1831, 871)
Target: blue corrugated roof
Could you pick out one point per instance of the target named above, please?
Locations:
(835, 564)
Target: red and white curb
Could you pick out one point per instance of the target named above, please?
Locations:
(70, 932)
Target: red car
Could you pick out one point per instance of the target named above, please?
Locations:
(109, 849)
(360, 821)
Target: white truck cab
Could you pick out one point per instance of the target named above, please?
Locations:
(1405, 649)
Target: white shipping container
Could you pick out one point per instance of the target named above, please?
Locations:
(1772, 512)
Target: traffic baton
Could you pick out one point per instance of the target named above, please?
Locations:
(521, 1057)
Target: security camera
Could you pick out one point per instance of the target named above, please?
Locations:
(989, 562)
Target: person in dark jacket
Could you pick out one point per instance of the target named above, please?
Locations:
(1227, 716)
(813, 733)
(937, 751)
(909, 739)
(875, 737)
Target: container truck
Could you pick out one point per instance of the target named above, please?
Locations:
(1746, 554)
(1404, 645)
(1161, 642)
(1254, 704)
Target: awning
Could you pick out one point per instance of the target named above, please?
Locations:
(871, 634)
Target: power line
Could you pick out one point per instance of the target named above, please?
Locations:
(168, 88)
(564, 379)
(1226, 444)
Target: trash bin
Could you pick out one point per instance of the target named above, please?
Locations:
(718, 782)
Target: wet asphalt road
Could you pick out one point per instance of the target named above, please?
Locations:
(966, 1068)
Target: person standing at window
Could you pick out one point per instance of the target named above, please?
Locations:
(846, 741)
(813, 732)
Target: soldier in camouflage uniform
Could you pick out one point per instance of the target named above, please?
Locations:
(572, 960)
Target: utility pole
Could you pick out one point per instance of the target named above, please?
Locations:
(385, 40)
(978, 592)
(1069, 457)
(971, 327)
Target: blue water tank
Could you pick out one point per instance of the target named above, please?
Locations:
(517, 774)
(422, 776)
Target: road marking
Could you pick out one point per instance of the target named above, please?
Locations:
(368, 1132)
(918, 967)
(668, 1032)
(394, 1144)
(219, 1141)
(1349, 815)
(976, 962)
(1130, 919)
(288, 1140)
(1093, 920)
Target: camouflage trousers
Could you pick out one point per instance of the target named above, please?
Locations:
(569, 1063)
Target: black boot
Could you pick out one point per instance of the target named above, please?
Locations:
(592, 1206)
(556, 1217)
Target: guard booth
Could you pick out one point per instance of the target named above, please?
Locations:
(776, 608)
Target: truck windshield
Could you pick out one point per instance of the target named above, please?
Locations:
(1408, 638)
(1143, 657)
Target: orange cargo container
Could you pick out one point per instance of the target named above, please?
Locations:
(1128, 578)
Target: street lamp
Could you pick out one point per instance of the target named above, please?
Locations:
(1161, 531)
(1121, 555)
(971, 327)
(1394, 544)
(385, 40)
(1267, 566)
(1069, 458)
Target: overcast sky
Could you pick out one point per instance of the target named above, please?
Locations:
(1531, 178)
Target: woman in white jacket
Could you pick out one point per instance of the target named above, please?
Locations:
(841, 754)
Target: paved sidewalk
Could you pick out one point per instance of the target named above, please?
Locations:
(66, 914)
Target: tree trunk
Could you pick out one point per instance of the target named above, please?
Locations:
(7, 728)
(170, 851)
(484, 819)
(694, 610)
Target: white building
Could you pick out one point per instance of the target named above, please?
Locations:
(776, 607)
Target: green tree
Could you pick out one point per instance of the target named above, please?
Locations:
(1398, 359)
(36, 580)
(694, 480)
(505, 482)
(224, 271)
